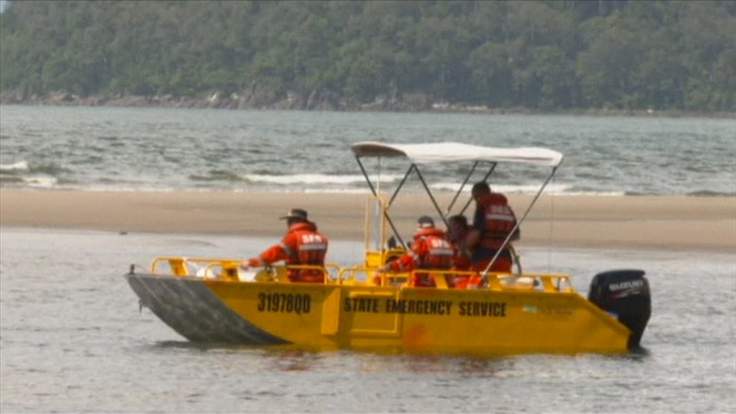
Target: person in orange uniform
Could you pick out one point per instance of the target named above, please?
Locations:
(302, 245)
(430, 250)
(493, 222)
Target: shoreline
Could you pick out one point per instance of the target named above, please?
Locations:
(285, 105)
(682, 223)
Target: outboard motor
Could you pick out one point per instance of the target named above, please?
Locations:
(625, 294)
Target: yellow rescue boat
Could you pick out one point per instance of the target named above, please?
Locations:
(360, 307)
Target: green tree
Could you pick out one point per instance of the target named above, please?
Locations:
(545, 54)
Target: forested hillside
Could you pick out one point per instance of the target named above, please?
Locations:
(545, 55)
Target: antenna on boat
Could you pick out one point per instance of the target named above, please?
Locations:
(380, 226)
(378, 182)
(551, 230)
(375, 194)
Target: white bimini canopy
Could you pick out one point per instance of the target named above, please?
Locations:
(456, 152)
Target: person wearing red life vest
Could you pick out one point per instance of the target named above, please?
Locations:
(430, 250)
(302, 245)
(493, 222)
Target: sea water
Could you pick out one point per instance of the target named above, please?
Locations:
(72, 339)
(197, 149)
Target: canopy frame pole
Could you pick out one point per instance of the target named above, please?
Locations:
(460, 190)
(401, 184)
(373, 190)
(431, 197)
(485, 178)
(518, 223)
(378, 177)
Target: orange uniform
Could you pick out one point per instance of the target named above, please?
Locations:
(494, 219)
(430, 251)
(302, 245)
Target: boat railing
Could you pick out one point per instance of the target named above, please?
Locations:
(458, 279)
(193, 266)
(330, 272)
(351, 275)
(228, 268)
(547, 282)
(444, 279)
(455, 279)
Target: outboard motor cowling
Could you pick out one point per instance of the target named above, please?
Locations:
(625, 294)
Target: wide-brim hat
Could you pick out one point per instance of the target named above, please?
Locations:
(295, 213)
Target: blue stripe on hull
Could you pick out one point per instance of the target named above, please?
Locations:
(190, 308)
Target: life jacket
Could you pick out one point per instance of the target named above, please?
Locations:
(432, 249)
(311, 246)
(498, 220)
(461, 259)
(302, 245)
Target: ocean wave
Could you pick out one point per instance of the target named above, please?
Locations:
(51, 169)
(40, 181)
(707, 193)
(317, 179)
(8, 179)
(337, 191)
(699, 193)
(591, 193)
(507, 188)
(22, 174)
(132, 189)
(218, 175)
(16, 166)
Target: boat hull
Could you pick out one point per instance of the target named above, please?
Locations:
(190, 308)
(422, 320)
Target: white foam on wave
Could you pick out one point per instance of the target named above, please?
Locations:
(554, 189)
(592, 193)
(126, 188)
(505, 188)
(337, 190)
(16, 166)
(317, 178)
(40, 181)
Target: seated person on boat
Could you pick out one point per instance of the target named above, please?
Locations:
(302, 245)
(430, 250)
(457, 234)
(493, 222)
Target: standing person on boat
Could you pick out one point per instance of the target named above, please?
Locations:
(430, 250)
(492, 223)
(302, 245)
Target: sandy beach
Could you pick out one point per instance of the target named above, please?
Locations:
(663, 222)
